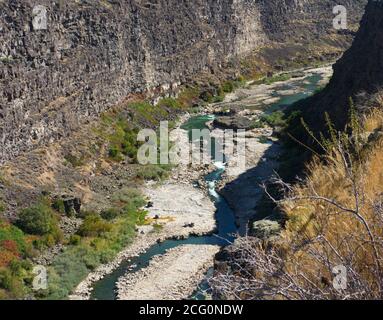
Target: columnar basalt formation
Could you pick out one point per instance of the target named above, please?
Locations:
(95, 54)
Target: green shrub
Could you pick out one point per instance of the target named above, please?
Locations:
(263, 139)
(50, 240)
(169, 103)
(275, 119)
(9, 232)
(154, 172)
(189, 97)
(84, 213)
(157, 227)
(123, 141)
(94, 226)
(12, 284)
(73, 265)
(228, 87)
(6, 59)
(241, 79)
(277, 78)
(110, 214)
(2, 206)
(74, 240)
(206, 96)
(146, 112)
(130, 199)
(38, 219)
(218, 99)
(74, 161)
(220, 92)
(114, 153)
(258, 124)
(141, 217)
(13, 243)
(59, 206)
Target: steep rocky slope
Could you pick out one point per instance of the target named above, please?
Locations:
(95, 54)
(357, 75)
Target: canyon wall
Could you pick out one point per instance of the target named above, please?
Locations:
(357, 75)
(95, 54)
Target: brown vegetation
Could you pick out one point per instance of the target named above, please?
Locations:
(332, 243)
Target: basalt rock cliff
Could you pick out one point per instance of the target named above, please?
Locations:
(357, 75)
(95, 54)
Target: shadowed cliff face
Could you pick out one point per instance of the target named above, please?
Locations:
(95, 54)
(358, 74)
(284, 20)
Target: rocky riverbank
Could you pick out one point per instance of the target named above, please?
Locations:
(180, 207)
(173, 276)
(176, 210)
(241, 187)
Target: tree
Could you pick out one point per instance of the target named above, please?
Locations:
(38, 220)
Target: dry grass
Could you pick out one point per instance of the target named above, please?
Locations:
(334, 218)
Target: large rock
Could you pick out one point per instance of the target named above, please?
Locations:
(265, 229)
(234, 122)
(72, 205)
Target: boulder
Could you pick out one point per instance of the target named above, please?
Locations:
(235, 123)
(72, 205)
(265, 229)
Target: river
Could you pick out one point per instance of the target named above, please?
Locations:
(283, 94)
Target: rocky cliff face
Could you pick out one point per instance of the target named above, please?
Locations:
(95, 54)
(357, 75)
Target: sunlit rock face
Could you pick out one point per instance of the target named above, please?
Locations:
(64, 62)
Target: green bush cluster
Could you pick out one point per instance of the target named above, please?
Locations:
(74, 240)
(230, 85)
(218, 99)
(110, 214)
(73, 265)
(277, 78)
(130, 199)
(154, 172)
(40, 220)
(123, 141)
(59, 206)
(14, 264)
(171, 103)
(94, 226)
(207, 96)
(15, 280)
(9, 232)
(97, 242)
(37, 227)
(275, 119)
(74, 160)
(145, 112)
(189, 97)
(2, 207)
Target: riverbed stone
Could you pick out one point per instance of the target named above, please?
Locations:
(234, 122)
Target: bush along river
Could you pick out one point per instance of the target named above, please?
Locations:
(152, 272)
